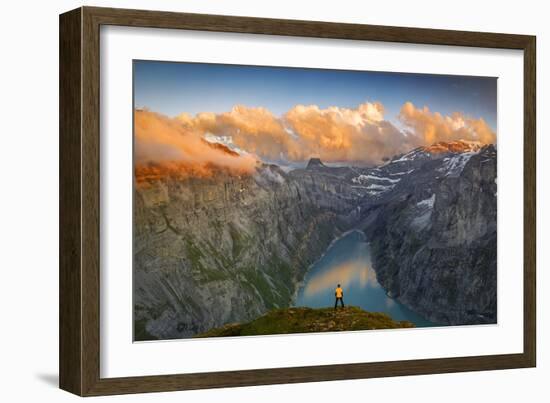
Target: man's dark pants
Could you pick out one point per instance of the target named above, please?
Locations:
(341, 302)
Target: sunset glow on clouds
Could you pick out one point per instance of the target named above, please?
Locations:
(360, 135)
(159, 139)
(433, 127)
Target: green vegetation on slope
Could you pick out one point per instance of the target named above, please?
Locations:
(307, 320)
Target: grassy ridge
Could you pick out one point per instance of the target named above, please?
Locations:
(308, 320)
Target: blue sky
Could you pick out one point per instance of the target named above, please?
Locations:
(172, 88)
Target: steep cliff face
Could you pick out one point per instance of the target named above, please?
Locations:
(208, 251)
(434, 241)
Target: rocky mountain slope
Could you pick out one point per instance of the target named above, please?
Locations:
(434, 238)
(228, 248)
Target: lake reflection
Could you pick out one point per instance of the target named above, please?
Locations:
(344, 274)
(347, 262)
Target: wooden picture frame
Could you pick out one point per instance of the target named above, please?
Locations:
(79, 278)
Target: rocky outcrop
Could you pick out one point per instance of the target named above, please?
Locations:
(315, 163)
(308, 320)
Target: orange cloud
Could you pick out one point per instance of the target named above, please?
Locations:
(358, 135)
(431, 127)
(342, 134)
(255, 130)
(334, 134)
(161, 140)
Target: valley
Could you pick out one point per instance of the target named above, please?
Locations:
(220, 248)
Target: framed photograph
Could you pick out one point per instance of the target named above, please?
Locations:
(249, 201)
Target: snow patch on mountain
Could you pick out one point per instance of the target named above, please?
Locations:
(425, 208)
(453, 166)
(402, 173)
(226, 141)
(429, 202)
(377, 189)
(410, 156)
(361, 179)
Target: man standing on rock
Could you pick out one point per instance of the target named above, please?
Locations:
(339, 294)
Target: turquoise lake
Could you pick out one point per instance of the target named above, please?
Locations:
(348, 262)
